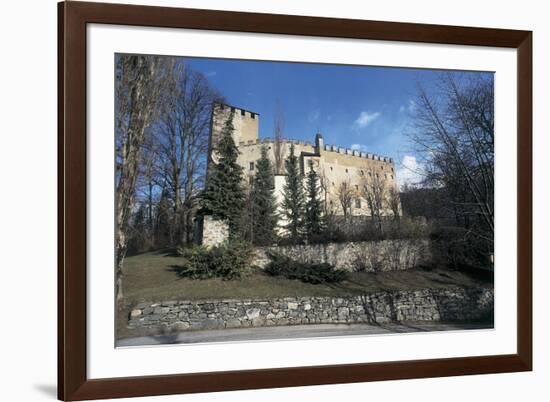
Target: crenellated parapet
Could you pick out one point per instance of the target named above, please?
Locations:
(271, 141)
(326, 148)
(356, 153)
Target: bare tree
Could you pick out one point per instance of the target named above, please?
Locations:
(455, 132)
(279, 146)
(345, 196)
(182, 141)
(140, 81)
(394, 201)
(374, 190)
(324, 185)
(146, 190)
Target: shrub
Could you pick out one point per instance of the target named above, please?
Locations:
(370, 257)
(304, 271)
(453, 246)
(362, 228)
(227, 261)
(409, 228)
(405, 254)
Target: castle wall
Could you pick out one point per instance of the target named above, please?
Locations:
(335, 165)
(347, 166)
(245, 123)
(251, 152)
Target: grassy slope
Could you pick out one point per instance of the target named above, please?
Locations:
(151, 277)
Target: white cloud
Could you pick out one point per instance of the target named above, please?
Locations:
(410, 171)
(365, 118)
(412, 106)
(314, 115)
(359, 147)
(409, 107)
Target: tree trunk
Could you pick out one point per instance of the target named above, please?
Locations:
(120, 254)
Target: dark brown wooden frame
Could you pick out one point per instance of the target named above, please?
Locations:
(73, 383)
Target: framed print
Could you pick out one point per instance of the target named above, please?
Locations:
(253, 200)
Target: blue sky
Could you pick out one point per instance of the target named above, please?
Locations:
(367, 108)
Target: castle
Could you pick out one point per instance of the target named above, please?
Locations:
(340, 170)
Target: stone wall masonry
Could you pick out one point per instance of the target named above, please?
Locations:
(214, 231)
(450, 304)
(372, 256)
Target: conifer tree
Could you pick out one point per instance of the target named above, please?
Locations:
(313, 218)
(293, 197)
(264, 207)
(224, 196)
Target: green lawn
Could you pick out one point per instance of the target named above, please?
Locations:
(151, 277)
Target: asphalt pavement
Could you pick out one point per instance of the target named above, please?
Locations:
(293, 332)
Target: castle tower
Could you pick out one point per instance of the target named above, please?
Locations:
(245, 124)
(319, 143)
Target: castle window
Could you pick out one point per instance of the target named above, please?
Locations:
(253, 115)
(333, 184)
(222, 106)
(243, 112)
(370, 173)
(251, 165)
(357, 187)
(331, 203)
(392, 169)
(362, 172)
(331, 168)
(391, 176)
(233, 109)
(357, 203)
(346, 170)
(382, 167)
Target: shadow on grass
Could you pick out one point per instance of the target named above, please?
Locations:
(167, 252)
(174, 268)
(445, 282)
(164, 252)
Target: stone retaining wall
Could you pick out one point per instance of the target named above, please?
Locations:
(371, 256)
(449, 304)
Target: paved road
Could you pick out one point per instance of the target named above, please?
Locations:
(297, 331)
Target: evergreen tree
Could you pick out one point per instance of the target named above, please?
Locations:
(313, 218)
(293, 196)
(264, 208)
(224, 196)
